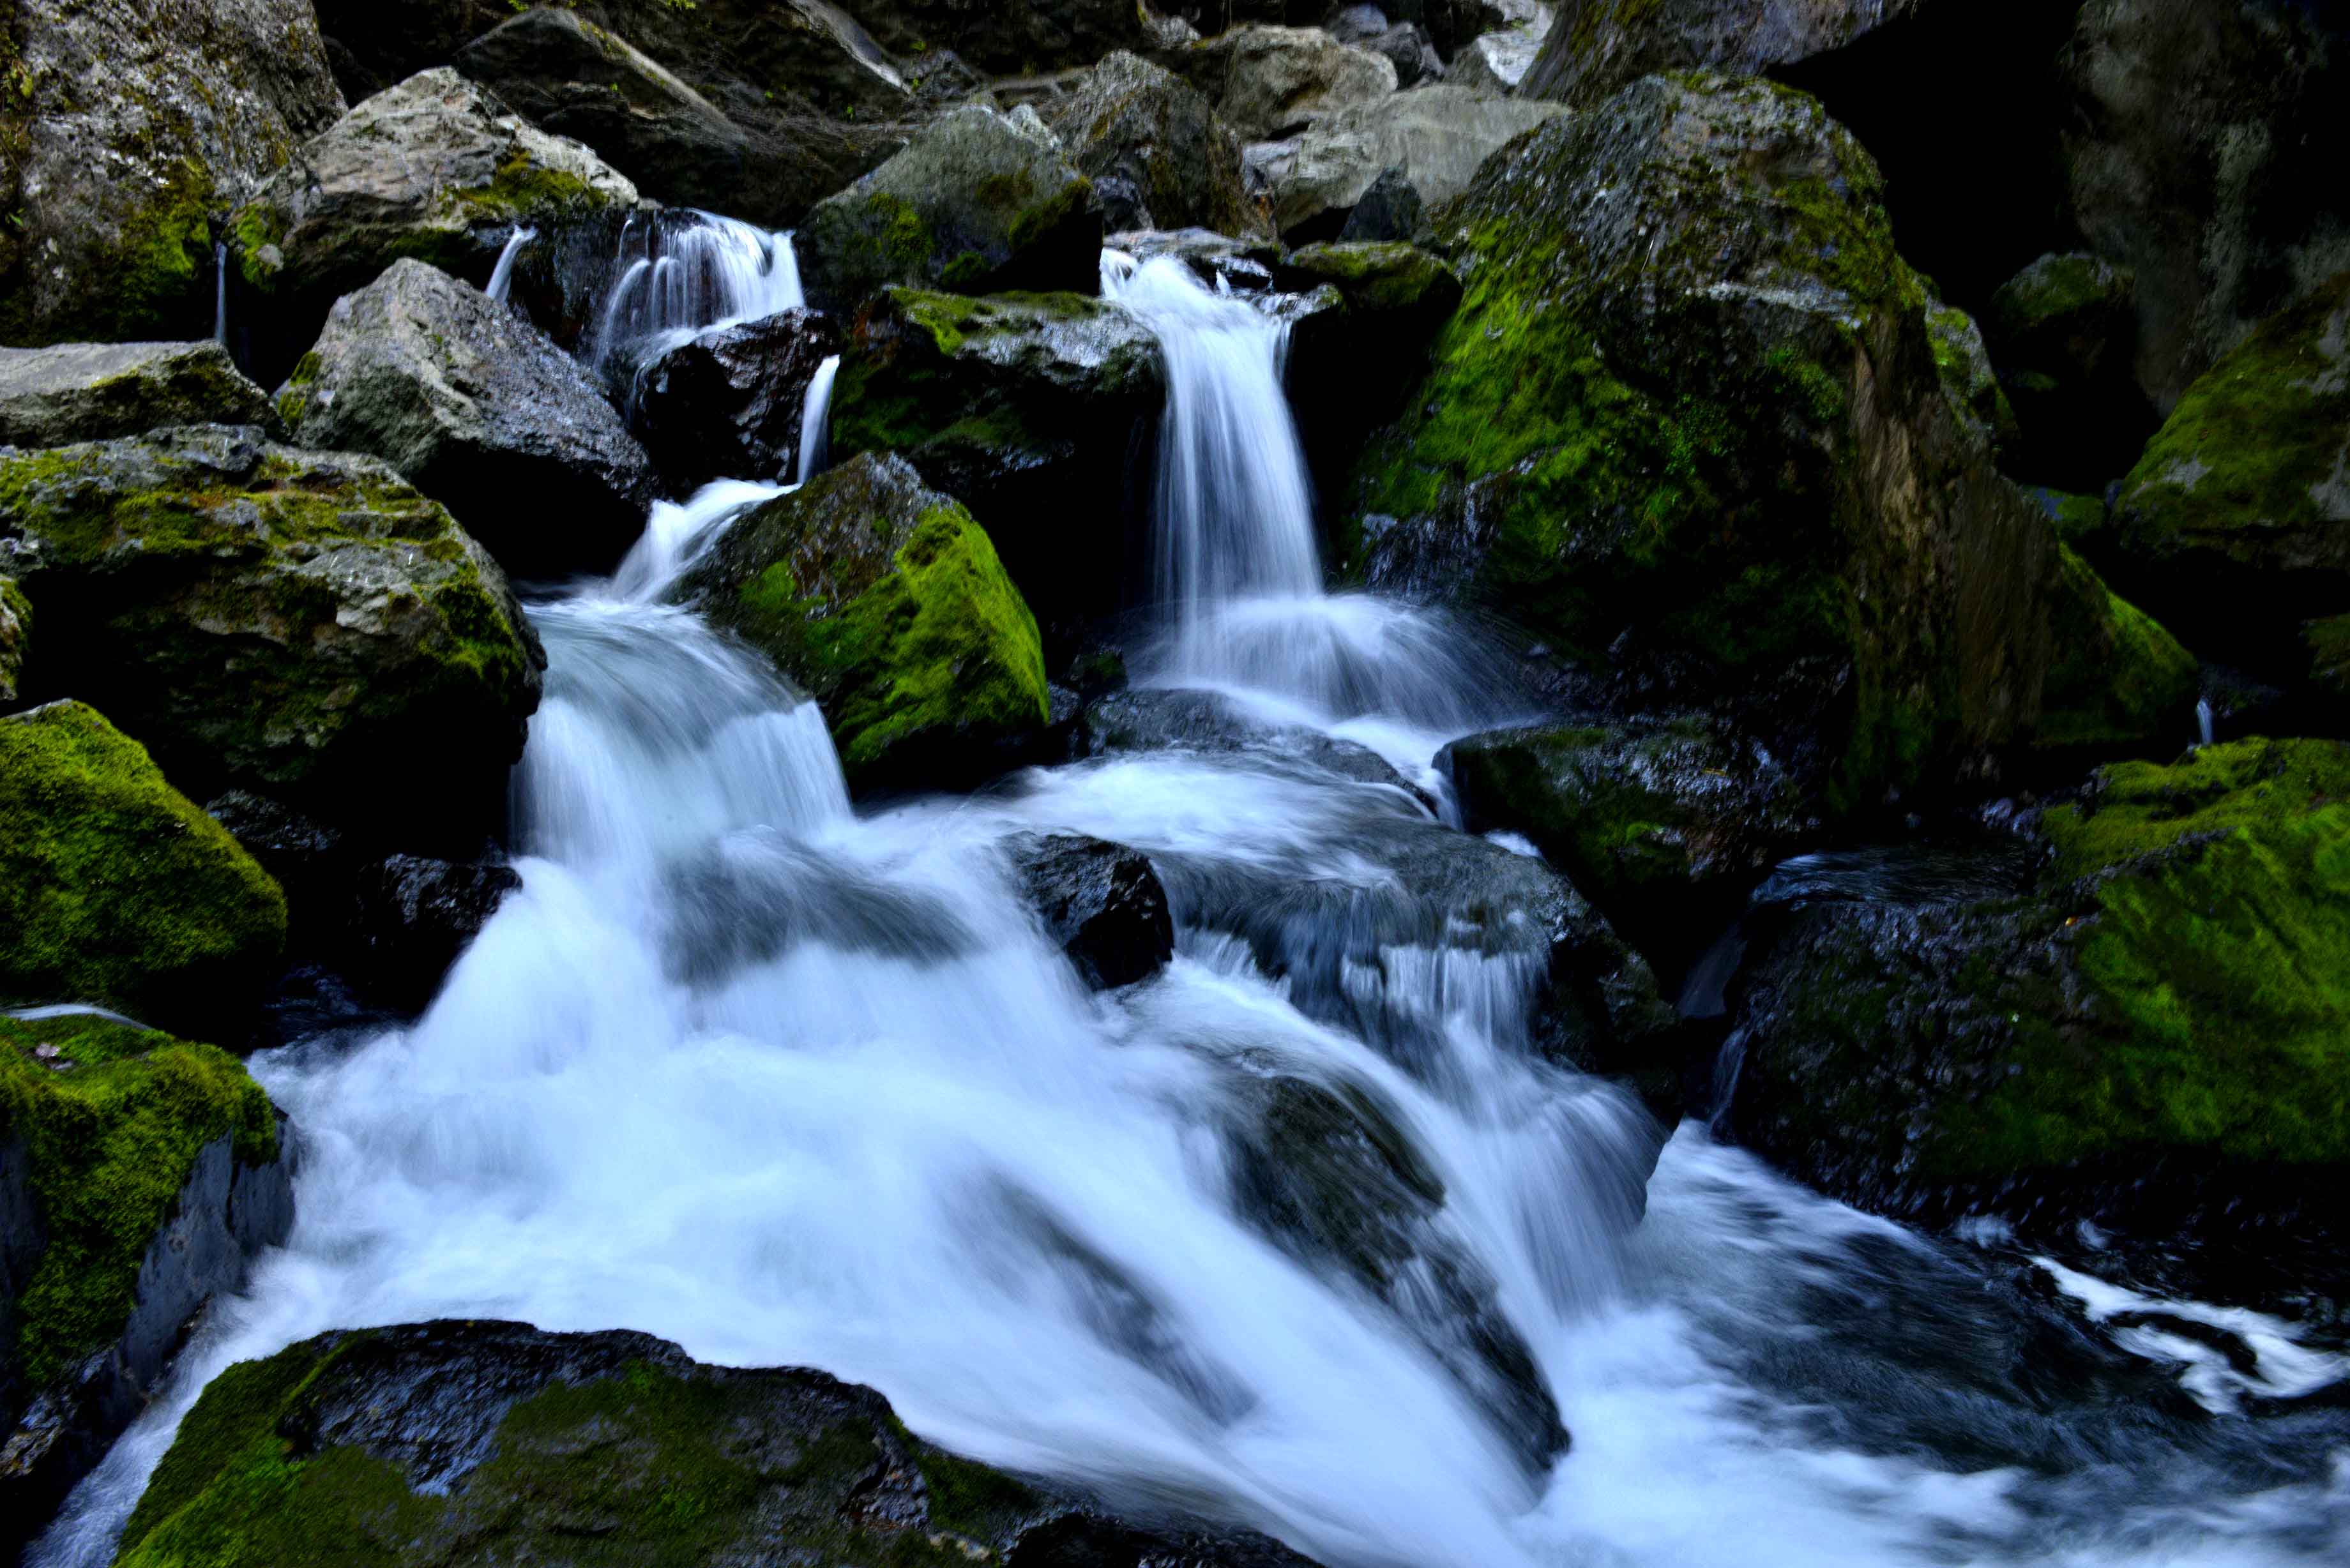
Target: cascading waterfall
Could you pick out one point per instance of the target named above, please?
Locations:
(502, 275)
(219, 293)
(683, 275)
(815, 420)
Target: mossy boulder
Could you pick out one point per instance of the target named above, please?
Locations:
(1596, 47)
(2235, 524)
(2162, 1018)
(477, 409)
(125, 127)
(886, 601)
(138, 1175)
(16, 635)
(94, 392)
(1014, 404)
(1968, 379)
(977, 202)
(115, 890)
(2116, 679)
(1688, 427)
(2063, 330)
(303, 624)
(1158, 156)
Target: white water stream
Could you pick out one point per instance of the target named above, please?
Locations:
(741, 1068)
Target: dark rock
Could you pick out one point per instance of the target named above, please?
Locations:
(729, 404)
(2063, 332)
(1156, 154)
(1407, 46)
(479, 410)
(416, 916)
(1390, 210)
(1010, 40)
(1597, 47)
(95, 391)
(1102, 902)
(548, 1435)
(1151, 719)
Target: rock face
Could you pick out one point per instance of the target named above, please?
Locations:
(1968, 379)
(139, 1175)
(1158, 156)
(94, 392)
(15, 634)
(1008, 40)
(489, 1438)
(1596, 48)
(115, 890)
(2163, 1010)
(434, 169)
(1272, 82)
(303, 623)
(1433, 138)
(1102, 902)
(1352, 359)
(1850, 574)
(127, 123)
(728, 405)
(2199, 132)
(1014, 404)
(2062, 331)
(2236, 522)
(2118, 679)
(887, 602)
(975, 201)
(475, 408)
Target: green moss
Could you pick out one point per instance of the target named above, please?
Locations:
(253, 228)
(1379, 275)
(115, 887)
(109, 1141)
(2115, 676)
(16, 635)
(2328, 642)
(2078, 520)
(2139, 809)
(524, 188)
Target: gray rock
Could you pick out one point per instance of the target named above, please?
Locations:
(1438, 137)
(479, 410)
(728, 405)
(127, 123)
(1495, 63)
(1597, 46)
(1102, 902)
(1156, 154)
(972, 203)
(92, 392)
(1275, 81)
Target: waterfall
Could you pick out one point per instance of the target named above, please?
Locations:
(502, 275)
(219, 293)
(815, 420)
(683, 274)
(2203, 719)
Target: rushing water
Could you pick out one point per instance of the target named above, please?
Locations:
(682, 273)
(815, 420)
(501, 275)
(791, 1085)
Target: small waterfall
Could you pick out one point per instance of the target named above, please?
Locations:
(815, 421)
(681, 275)
(502, 275)
(2203, 718)
(219, 293)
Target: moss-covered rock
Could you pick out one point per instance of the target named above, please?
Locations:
(301, 623)
(116, 888)
(1596, 47)
(1967, 379)
(15, 637)
(2079, 520)
(2167, 1009)
(487, 1441)
(2115, 678)
(887, 602)
(94, 392)
(2328, 641)
(1014, 403)
(1158, 156)
(2062, 331)
(2235, 524)
(977, 202)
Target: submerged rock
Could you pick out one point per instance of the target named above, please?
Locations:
(139, 1176)
(1435, 137)
(974, 203)
(494, 1436)
(886, 601)
(475, 408)
(115, 890)
(729, 404)
(127, 124)
(1599, 47)
(1102, 902)
(301, 623)
(1272, 82)
(1158, 156)
(95, 391)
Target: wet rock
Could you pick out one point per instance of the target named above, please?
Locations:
(1436, 137)
(1102, 902)
(1156, 154)
(2197, 133)
(1013, 404)
(126, 125)
(2062, 331)
(415, 916)
(1269, 82)
(139, 1176)
(1155, 719)
(300, 623)
(1595, 49)
(2153, 1024)
(1389, 211)
(475, 408)
(93, 391)
(434, 169)
(974, 203)
(115, 890)
(1353, 360)
(494, 1431)
(885, 600)
(729, 404)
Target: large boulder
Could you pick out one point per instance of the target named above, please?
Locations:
(2160, 1017)
(2118, 679)
(1434, 139)
(434, 169)
(126, 125)
(488, 1438)
(2235, 524)
(139, 1176)
(730, 404)
(886, 601)
(2062, 331)
(1688, 428)
(1156, 154)
(1014, 404)
(975, 201)
(1596, 47)
(94, 392)
(115, 890)
(475, 408)
(2197, 132)
(303, 623)
(1269, 82)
